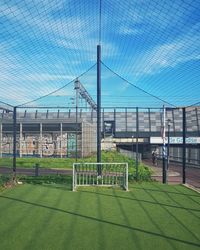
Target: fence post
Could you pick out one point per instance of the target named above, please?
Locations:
(184, 144)
(77, 86)
(1, 140)
(61, 140)
(14, 141)
(99, 108)
(73, 181)
(37, 169)
(164, 172)
(137, 134)
(126, 176)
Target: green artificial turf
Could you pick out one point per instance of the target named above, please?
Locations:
(51, 216)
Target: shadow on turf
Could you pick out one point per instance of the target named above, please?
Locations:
(126, 219)
(140, 200)
(153, 222)
(102, 221)
(172, 215)
(170, 192)
(192, 197)
(189, 196)
(58, 187)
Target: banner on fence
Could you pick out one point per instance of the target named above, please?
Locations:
(175, 140)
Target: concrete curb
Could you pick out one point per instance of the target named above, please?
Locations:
(192, 188)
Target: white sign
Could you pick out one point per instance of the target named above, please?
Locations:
(175, 140)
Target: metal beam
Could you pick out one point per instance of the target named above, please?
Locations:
(84, 94)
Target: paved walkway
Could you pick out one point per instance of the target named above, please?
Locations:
(174, 175)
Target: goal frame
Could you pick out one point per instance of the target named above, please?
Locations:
(112, 174)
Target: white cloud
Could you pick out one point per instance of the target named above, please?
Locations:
(43, 24)
(128, 31)
(43, 77)
(181, 50)
(19, 87)
(22, 70)
(24, 80)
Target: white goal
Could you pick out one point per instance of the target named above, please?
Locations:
(100, 174)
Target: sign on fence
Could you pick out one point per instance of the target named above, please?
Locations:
(175, 140)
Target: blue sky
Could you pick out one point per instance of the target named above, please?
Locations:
(153, 44)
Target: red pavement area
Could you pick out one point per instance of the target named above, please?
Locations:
(175, 173)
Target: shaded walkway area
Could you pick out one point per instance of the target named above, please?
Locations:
(175, 174)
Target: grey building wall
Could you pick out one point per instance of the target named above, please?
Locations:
(150, 120)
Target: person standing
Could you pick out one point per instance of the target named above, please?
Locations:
(154, 157)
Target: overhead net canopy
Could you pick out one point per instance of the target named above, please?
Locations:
(150, 51)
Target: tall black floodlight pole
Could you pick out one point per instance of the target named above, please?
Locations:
(184, 144)
(99, 107)
(14, 141)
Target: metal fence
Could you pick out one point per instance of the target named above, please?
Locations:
(71, 133)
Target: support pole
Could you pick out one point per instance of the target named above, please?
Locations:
(20, 140)
(113, 131)
(77, 86)
(14, 141)
(99, 107)
(168, 145)
(40, 142)
(184, 145)
(1, 140)
(61, 140)
(137, 134)
(164, 172)
(126, 119)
